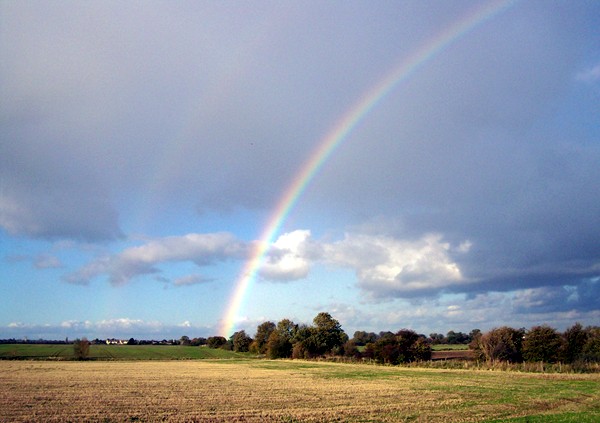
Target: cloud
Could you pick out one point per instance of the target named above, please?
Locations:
(47, 261)
(387, 266)
(486, 157)
(46, 194)
(459, 313)
(287, 258)
(191, 280)
(123, 327)
(201, 249)
(589, 75)
(105, 110)
(550, 299)
(41, 261)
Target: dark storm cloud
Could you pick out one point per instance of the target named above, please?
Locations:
(462, 150)
(104, 103)
(110, 108)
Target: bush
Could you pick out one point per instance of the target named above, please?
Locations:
(278, 346)
(502, 344)
(421, 350)
(542, 343)
(81, 349)
(241, 342)
(351, 350)
(216, 341)
(403, 347)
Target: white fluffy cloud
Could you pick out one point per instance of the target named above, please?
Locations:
(389, 266)
(287, 259)
(385, 266)
(202, 249)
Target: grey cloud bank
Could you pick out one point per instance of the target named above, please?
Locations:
(477, 176)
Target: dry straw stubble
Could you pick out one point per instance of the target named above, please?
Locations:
(256, 391)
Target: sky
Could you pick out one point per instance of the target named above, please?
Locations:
(152, 158)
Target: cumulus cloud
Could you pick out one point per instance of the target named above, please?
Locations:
(387, 266)
(287, 258)
(201, 249)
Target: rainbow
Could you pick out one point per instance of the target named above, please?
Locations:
(338, 133)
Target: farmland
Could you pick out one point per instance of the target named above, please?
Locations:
(285, 391)
(114, 352)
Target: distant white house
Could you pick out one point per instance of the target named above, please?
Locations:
(113, 341)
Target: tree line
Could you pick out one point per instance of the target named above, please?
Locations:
(539, 344)
(325, 337)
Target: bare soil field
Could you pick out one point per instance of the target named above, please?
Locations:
(452, 355)
(284, 391)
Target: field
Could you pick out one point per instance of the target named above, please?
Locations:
(449, 347)
(114, 352)
(286, 391)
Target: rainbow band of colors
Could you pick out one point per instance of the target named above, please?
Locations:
(339, 132)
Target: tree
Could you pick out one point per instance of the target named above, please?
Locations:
(386, 350)
(436, 338)
(305, 342)
(263, 331)
(278, 346)
(421, 350)
(404, 346)
(81, 348)
(504, 344)
(476, 345)
(542, 343)
(280, 342)
(328, 333)
(363, 338)
(451, 337)
(575, 339)
(198, 341)
(475, 333)
(369, 351)
(591, 349)
(184, 340)
(457, 337)
(241, 342)
(406, 338)
(216, 341)
(351, 350)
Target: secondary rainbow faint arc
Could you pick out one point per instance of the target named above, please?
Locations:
(336, 136)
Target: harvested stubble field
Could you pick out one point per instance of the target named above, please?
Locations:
(284, 391)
